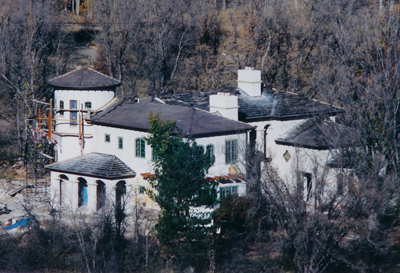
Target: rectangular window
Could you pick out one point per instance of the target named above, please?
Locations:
(107, 138)
(61, 108)
(226, 191)
(73, 105)
(231, 151)
(120, 143)
(140, 148)
(88, 104)
(142, 189)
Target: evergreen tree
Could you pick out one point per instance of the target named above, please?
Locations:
(179, 186)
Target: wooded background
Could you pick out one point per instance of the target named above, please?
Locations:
(345, 53)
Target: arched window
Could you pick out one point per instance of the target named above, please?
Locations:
(61, 108)
(265, 139)
(88, 105)
(62, 178)
(82, 192)
(201, 147)
(101, 194)
(73, 115)
(140, 147)
(120, 191)
(210, 152)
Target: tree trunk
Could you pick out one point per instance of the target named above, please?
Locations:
(77, 7)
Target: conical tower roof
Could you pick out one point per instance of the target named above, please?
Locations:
(84, 79)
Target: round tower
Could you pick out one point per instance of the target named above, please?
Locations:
(76, 95)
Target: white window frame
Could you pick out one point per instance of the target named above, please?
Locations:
(231, 151)
(140, 150)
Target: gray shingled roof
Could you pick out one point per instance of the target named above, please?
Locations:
(84, 79)
(271, 105)
(318, 134)
(192, 121)
(96, 165)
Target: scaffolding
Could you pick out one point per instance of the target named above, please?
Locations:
(39, 144)
(38, 151)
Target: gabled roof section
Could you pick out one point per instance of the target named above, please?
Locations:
(84, 79)
(318, 134)
(192, 121)
(96, 165)
(271, 105)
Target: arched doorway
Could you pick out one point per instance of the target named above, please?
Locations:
(120, 191)
(62, 187)
(101, 194)
(265, 139)
(82, 192)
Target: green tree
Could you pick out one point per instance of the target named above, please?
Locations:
(180, 186)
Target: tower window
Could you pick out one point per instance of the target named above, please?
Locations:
(73, 105)
(61, 107)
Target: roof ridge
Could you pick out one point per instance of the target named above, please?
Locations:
(114, 103)
(65, 74)
(102, 74)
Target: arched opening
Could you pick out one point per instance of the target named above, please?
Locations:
(120, 191)
(210, 153)
(62, 186)
(101, 194)
(265, 139)
(82, 192)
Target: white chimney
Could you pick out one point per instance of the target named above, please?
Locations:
(225, 104)
(249, 80)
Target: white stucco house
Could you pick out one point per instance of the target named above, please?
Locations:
(101, 154)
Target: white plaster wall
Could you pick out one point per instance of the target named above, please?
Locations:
(275, 130)
(96, 97)
(68, 147)
(220, 168)
(144, 165)
(70, 192)
(302, 159)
